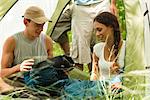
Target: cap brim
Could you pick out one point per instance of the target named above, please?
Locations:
(39, 20)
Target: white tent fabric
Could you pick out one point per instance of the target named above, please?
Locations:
(13, 21)
(137, 44)
(145, 5)
(5, 5)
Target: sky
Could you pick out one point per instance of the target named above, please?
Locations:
(13, 21)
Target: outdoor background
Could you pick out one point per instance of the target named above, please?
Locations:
(57, 50)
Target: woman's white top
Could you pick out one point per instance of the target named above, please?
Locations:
(104, 65)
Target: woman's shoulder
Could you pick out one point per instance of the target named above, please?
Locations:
(98, 48)
(98, 45)
(124, 42)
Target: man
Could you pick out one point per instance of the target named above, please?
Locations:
(25, 48)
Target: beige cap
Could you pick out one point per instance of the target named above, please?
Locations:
(35, 14)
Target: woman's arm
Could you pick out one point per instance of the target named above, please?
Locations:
(95, 69)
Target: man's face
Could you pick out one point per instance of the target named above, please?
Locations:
(34, 29)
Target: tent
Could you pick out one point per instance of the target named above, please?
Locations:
(145, 5)
(137, 58)
(137, 22)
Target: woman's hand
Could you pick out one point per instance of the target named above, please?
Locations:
(116, 85)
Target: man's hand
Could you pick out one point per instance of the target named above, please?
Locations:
(26, 65)
(114, 9)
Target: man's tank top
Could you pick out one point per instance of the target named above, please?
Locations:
(26, 49)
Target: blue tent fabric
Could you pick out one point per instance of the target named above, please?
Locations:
(86, 89)
(83, 89)
(48, 71)
(49, 76)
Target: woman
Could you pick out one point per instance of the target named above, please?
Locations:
(108, 55)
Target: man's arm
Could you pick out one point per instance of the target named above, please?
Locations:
(113, 1)
(8, 57)
(49, 46)
(113, 7)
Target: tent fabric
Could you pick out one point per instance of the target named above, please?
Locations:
(145, 6)
(5, 5)
(49, 76)
(77, 89)
(49, 71)
(137, 44)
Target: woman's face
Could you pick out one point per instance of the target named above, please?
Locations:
(103, 32)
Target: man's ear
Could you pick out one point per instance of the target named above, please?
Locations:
(25, 21)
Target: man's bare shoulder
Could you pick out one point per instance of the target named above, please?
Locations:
(49, 46)
(10, 42)
(11, 39)
(48, 38)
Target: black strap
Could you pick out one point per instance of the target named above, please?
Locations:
(147, 13)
